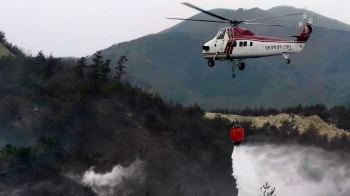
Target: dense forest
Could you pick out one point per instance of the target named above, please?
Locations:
(60, 116)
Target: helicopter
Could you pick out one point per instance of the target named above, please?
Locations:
(236, 44)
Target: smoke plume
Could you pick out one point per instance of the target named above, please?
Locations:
(293, 170)
(120, 181)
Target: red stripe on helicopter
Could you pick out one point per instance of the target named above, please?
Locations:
(232, 41)
(226, 47)
(228, 41)
(230, 52)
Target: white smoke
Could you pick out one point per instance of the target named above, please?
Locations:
(293, 170)
(114, 182)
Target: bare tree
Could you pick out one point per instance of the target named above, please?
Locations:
(265, 192)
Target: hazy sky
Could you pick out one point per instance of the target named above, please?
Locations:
(80, 27)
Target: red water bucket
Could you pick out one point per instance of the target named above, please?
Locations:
(237, 134)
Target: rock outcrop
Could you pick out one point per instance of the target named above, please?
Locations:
(299, 122)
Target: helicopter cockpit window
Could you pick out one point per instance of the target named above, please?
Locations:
(221, 34)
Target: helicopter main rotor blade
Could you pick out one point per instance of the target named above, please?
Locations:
(198, 20)
(273, 17)
(209, 13)
(275, 25)
(234, 23)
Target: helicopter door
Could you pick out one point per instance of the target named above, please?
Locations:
(220, 41)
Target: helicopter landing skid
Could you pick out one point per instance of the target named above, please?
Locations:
(237, 63)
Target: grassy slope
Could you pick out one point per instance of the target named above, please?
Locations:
(3, 50)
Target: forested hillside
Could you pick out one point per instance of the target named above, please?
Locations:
(64, 117)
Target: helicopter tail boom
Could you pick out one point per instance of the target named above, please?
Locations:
(305, 34)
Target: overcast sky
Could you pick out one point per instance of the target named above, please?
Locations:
(80, 27)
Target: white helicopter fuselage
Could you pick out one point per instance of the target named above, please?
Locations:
(238, 43)
(254, 49)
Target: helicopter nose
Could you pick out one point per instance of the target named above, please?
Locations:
(205, 47)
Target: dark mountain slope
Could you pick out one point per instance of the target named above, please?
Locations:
(332, 80)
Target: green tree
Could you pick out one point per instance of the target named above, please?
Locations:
(310, 136)
(96, 66)
(14, 155)
(23, 153)
(99, 67)
(2, 37)
(49, 66)
(105, 69)
(79, 68)
(195, 110)
(334, 143)
(48, 150)
(7, 152)
(39, 63)
(344, 141)
(120, 68)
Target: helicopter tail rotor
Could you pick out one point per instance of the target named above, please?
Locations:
(311, 20)
(305, 15)
(299, 25)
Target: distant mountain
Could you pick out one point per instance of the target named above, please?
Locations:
(322, 21)
(171, 62)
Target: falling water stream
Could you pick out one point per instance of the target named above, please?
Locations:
(293, 170)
